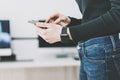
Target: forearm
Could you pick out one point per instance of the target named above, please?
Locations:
(106, 24)
(74, 21)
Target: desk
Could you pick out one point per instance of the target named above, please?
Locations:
(51, 69)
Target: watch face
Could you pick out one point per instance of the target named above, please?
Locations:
(64, 34)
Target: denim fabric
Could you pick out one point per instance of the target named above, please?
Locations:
(100, 58)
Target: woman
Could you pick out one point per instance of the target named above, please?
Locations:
(96, 35)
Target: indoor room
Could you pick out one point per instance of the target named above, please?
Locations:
(59, 40)
(26, 57)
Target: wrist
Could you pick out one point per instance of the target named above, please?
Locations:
(64, 35)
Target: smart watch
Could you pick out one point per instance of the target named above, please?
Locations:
(64, 36)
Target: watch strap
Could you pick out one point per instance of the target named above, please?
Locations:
(64, 35)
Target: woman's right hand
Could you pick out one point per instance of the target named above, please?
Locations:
(60, 19)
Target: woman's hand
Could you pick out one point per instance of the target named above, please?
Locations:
(59, 19)
(52, 32)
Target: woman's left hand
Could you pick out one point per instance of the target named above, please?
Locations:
(51, 34)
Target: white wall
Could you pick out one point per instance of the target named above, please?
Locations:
(20, 11)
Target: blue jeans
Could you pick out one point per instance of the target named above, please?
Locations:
(100, 58)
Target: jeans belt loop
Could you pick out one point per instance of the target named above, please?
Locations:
(83, 49)
(113, 43)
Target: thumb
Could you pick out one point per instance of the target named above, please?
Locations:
(57, 21)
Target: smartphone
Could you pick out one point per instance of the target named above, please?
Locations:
(35, 21)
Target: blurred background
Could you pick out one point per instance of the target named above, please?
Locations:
(34, 62)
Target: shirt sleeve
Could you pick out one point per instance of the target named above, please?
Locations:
(74, 21)
(106, 24)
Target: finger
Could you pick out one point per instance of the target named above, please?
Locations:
(57, 21)
(62, 19)
(51, 21)
(52, 17)
(62, 24)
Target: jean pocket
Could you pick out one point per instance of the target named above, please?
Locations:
(95, 53)
(95, 61)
